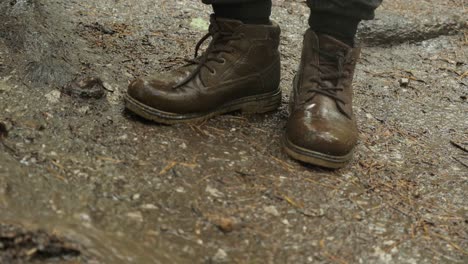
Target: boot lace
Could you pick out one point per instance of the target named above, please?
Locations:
(215, 47)
(331, 69)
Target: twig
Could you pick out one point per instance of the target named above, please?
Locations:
(461, 162)
(283, 164)
(455, 246)
(463, 75)
(172, 164)
(328, 255)
(292, 202)
(168, 168)
(109, 159)
(322, 184)
(56, 174)
(459, 146)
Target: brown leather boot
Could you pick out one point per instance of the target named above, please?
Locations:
(240, 70)
(322, 129)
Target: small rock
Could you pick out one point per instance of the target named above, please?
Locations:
(87, 88)
(4, 87)
(225, 224)
(404, 82)
(137, 216)
(101, 28)
(3, 131)
(149, 207)
(213, 192)
(136, 196)
(200, 24)
(314, 212)
(220, 256)
(180, 190)
(53, 97)
(271, 210)
(84, 109)
(358, 217)
(123, 137)
(85, 217)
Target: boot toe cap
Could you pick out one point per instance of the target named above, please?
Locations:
(336, 138)
(150, 92)
(136, 89)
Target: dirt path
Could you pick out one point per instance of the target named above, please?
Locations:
(107, 187)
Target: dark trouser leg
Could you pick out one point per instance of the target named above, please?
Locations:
(340, 18)
(247, 11)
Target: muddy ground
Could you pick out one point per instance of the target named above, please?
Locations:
(84, 181)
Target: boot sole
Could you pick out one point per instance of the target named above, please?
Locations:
(249, 105)
(316, 158)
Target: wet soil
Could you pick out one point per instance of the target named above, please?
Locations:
(95, 184)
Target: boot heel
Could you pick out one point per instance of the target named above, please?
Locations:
(262, 105)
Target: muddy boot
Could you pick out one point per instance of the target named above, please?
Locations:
(240, 70)
(322, 129)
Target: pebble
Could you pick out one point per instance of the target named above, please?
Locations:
(220, 256)
(225, 224)
(404, 82)
(53, 97)
(83, 110)
(199, 24)
(213, 192)
(3, 130)
(271, 210)
(123, 137)
(149, 207)
(85, 217)
(137, 216)
(4, 87)
(87, 87)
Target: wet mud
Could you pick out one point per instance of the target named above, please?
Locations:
(84, 181)
(18, 245)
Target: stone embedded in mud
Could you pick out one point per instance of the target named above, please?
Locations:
(226, 225)
(220, 256)
(404, 82)
(86, 88)
(53, 96)
(214, 192)
(137, 216)
(271, 210)
(19, 245)
(3, 131)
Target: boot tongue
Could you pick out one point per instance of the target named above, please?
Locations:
(227, 25)
(332, 45)
(217, 25)
(331, 50)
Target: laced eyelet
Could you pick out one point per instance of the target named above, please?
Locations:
(213, 72)
(223, 61)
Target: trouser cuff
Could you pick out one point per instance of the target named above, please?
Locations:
(257, 12)
(341, 27)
